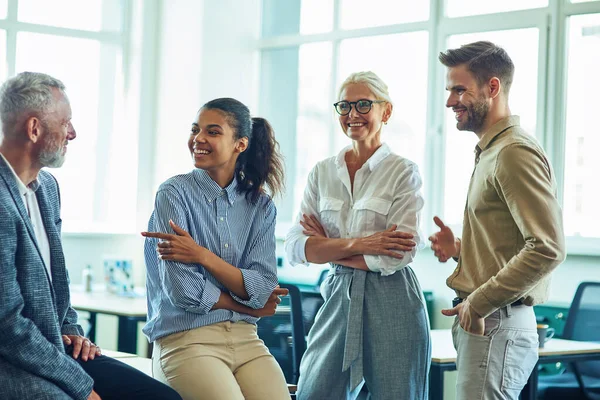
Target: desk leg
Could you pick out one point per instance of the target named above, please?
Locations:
(127, 341)
(529, 392)
(92, 330)
(436, 383)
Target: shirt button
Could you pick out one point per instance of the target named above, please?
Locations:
(209, 200)
(226, 245)
(221, 218)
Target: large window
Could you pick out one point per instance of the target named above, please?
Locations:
(463, 8)
(3, 67)
(405, 132)
(357, 14)
(522, 45)
(582, 163)
(555, 45)
(86, 45)
(314, 117)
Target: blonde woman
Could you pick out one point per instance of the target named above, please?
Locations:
(360, 213)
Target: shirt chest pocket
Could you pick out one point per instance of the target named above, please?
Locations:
(330, 210)
(370, 216)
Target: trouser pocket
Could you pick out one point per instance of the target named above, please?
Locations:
(520, 357)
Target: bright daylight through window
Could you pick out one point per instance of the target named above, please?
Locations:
(86, 49)
(555, 45)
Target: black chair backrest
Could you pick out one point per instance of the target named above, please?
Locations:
(583, 322)
(298, 338)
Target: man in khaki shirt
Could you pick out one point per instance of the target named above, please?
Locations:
(512, 235)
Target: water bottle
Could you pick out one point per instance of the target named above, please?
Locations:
(86, 278)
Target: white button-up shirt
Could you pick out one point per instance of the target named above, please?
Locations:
(386, 192)
(33, 209)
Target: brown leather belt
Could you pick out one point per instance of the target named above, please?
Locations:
(457, 300)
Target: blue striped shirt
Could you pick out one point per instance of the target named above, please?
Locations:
(180, 296)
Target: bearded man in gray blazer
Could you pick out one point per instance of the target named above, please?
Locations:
(43, 354)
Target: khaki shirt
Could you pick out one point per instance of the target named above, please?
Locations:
(512, 231)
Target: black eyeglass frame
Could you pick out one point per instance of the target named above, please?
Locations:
(353, 103)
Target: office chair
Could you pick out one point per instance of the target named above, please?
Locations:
(298, 336)
(582, 379)
(276, 330)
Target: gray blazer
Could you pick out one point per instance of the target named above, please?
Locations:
(35, 312)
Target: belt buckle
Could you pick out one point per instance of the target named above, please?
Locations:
(456, 301)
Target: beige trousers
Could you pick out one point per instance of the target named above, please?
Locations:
(221, 361)
(496, 366)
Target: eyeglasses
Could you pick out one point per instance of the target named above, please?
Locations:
(362, 106)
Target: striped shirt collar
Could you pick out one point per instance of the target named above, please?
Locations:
(33, 186)
(376, 158)
(212, 190)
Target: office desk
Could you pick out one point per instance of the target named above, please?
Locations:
(129, 310)
(443, 358)
(133, 360)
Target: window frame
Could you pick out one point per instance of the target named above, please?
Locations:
(551, 21)
(137, 39)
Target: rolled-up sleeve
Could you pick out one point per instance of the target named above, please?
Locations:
(295, 240)
(259, 270)
(523, 179)
(184, 284)
(404, 212)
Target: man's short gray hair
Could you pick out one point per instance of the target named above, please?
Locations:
(27, 92)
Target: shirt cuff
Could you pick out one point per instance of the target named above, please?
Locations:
(256, 288)
(210, 297)
(69, 329)
(372, 263)
(481, 304)
(378, 264)
(298, 252)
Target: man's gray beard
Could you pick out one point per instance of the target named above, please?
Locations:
(53, 159)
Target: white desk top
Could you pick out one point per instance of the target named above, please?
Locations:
(141, 363)
(442, 349)
(118, 354)
(101, 301)
(104, 302)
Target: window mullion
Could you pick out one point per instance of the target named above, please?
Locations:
(555, 135)
(335, 56)
(11, 38)
(434, 142)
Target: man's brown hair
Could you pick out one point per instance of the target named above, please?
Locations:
(484, 59)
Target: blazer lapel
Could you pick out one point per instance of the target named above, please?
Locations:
(13, 189)
(9, 179)
(56, 255)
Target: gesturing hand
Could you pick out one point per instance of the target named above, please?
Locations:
(179, 247)
(82, 346)
(384, 243)
(271, 305)
(312, 226)
(443, 243)
(94, 396)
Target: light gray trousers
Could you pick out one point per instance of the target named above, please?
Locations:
(378, 326)
(496, 366)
